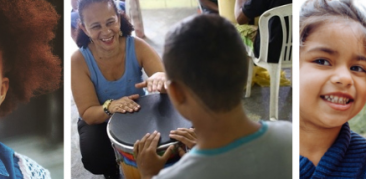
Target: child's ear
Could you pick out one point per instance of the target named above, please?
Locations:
(176, 93)
(4, 89)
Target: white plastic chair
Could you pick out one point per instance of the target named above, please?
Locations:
(285, 60)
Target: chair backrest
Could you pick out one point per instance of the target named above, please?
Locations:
(286, 50)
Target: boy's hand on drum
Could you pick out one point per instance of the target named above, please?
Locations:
(124, 104)
(148, 161)
(181, 151)
(155, 83)
(184, 135)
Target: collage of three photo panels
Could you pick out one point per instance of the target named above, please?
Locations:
(140, 89)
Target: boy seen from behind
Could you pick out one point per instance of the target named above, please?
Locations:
(206, 65)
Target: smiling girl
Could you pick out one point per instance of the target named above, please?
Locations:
(332, 88)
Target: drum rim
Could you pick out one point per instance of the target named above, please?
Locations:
(124, 146)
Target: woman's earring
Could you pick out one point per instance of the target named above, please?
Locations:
(120, 33)
(90, 40)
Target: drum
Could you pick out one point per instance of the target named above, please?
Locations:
(156, 113)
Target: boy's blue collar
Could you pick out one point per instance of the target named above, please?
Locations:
(234, 144)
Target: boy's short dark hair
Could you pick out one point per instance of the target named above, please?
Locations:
(206, 53)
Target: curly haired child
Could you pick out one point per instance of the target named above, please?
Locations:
(27, 68)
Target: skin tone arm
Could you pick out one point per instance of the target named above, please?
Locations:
(186, 136)
(239, 15)
(210, 5)
(150, 61)
(84, 93)
(148, 161)
(85, 96)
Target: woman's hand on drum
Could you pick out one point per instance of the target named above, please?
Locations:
(148, 161)
(186, 136)
(124, 104)
(155, 83)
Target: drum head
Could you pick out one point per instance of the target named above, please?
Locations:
(156, 113)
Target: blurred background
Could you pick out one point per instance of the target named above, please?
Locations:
(36, 129)
(358, 123)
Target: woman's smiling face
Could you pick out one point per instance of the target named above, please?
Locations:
(332, 74)
(101, 24)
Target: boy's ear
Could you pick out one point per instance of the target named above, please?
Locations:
(4, 89)
(176, 93)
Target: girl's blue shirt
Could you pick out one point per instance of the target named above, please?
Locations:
(9, 167)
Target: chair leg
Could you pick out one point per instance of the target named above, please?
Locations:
(275, 72)
(250, 78)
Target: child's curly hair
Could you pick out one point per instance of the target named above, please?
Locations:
(26, 30)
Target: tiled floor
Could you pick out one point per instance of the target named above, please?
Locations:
(157, 22)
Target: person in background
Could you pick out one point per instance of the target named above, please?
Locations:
(209, 6)
(74, 19)
(27, 67)
(246, 10)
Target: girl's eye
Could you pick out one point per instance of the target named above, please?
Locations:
(322, 62)
(357, 69)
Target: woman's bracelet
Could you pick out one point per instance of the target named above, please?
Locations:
(106, 106)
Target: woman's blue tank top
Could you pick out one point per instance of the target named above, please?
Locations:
(124, 86)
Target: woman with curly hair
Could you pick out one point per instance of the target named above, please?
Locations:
(27, 68)
(106, 77)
